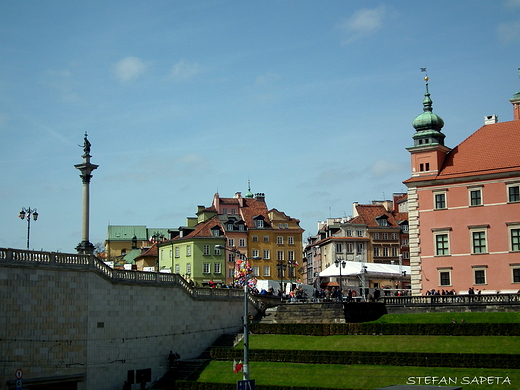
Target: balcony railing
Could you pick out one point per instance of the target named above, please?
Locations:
(465, 299)
(68, 261)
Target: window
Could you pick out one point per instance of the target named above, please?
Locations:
(405, 242)
(231, 257)
(217, 268)
(350, 247)
(515, 239)
(404, 228)
(231, 273)
(241, 242)
(292, 275)
(444, 277)
(267, 254)
(385, 251)
(206, 250)
(259, 223)
(290, 240)
(256, 270)
(394, 236)
(385, 236)
(290, 255)
(339, 248)
(360, 247)
(267, 270)
(513, 193)
(230, 226)
(376, 251)
(279, 240)
(442, 245)
(177, 251)
(255, 253)
(515, 271)
(216, 232)
(233, 211)
(383, 222)
(188, 250)
(439, 200)
(206, 267)
(241, 227)
(254, 238)
(479, 274)
(279, 255)
(216, 251)
(376, 236)
(360, 233)
(475, 197)
(394, 251)
(280, 225)
(224, 211)
(406, 255)
(177, 268)
(349, 233)
(478, 241)
(188, 268)
(231, 242)
(286, 226)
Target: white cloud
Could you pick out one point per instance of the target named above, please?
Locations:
(512, 3)
(509, 32)
(363, 23)
(383, 167)
(267, 79)
(184, 70)
(129, 69)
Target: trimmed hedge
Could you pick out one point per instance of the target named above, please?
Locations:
(189, 385)
(484, 329)
(419, 359)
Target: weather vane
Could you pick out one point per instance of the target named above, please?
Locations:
(425, 77)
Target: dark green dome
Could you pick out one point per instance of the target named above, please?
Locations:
(428, 120)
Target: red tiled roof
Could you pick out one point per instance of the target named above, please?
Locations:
(493, 148)
(368, 214)
(252, 208)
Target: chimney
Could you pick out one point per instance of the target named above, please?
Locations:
(490, 119)
(260, 197)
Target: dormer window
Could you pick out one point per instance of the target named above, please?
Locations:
(382, 221)
(230, 226)
(259, 223)
(216, 232)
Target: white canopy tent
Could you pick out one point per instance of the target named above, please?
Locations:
(373, 270)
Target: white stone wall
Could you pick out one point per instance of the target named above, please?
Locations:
(61, 322)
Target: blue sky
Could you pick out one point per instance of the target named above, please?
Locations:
(310, 100)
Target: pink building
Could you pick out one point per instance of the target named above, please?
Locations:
(464, 206)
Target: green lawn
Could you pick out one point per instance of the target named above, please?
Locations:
(335, 376)
(444, 318)
(445, 344)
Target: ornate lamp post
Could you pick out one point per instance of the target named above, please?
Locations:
(340, 264)
(26, 213)
(245, 368)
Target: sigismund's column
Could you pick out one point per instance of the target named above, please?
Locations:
(86, 168)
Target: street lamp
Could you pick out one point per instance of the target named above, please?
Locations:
(26, 213)
(245, 367)
(281, 267)
(340, 264)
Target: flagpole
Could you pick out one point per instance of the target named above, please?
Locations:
(245, 371)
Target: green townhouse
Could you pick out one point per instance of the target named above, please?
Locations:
(194, 253)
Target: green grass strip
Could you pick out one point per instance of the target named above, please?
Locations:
(446, 318)
(335, 376)
(434, 344)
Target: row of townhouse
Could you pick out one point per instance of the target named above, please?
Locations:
(376, 233)
(207, 251)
